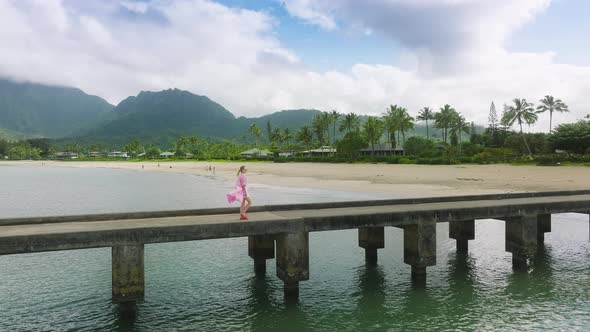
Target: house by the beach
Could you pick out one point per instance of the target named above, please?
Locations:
(255, 152)
(95, 154)
(166, 154)
(321, 151)
(288, 153)
(66, 155)
(382, 149)
(117, 154)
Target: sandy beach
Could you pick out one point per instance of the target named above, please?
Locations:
(403, 180)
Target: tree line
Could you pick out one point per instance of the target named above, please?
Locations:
(351, 132)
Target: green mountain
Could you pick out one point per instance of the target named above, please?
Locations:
(35, 110)
(161, 117)
(157, 117)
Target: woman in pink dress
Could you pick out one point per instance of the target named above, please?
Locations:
(240, 194)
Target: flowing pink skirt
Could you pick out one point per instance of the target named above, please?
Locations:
(236, 195)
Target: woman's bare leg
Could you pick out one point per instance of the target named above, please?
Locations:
(242, 211)
(247, 206)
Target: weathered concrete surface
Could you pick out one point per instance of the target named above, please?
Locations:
(77, 235)
(462, 232)
(420, 247)
(371, 239)
(292, 261)
(261, 248)
(420, 244)
(128, 273)
(280, 207)
(543, 226)
(521, 239)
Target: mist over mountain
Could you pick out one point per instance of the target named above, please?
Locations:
(36, 110)
(29, 110)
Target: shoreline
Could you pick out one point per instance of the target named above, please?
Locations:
(402, 180)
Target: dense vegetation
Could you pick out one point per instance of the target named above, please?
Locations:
(34, 110)
(193, 126)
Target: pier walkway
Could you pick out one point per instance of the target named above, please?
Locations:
(282, 231)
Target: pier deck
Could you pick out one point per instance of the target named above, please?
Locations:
(527, 216)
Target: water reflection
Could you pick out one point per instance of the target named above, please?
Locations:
(267, 311)
(538, 283)
(371, 294)
(126, 315)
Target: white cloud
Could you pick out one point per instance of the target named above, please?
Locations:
(115, 49)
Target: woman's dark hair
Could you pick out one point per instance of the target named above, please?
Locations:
(241, 169)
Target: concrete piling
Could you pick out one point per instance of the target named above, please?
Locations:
(371, 239)
(128, 273)
(420, 248)
(261, 248)
(521, 239)
(543, 226)
(462, 232)
(292, 262)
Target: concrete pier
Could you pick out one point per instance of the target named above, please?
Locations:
(128, 273)
(521, 239)
(527, 216)
(261, 248)
(371, 239)
(420, 248)
(543, 226)
(292, 262)
(462, 232)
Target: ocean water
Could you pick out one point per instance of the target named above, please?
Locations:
(210, 286)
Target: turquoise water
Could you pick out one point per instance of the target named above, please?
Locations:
(209, 285)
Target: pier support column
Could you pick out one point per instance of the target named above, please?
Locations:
(261, 248)
(420, 248)
(543, 226)
(371, 239)
(521, 240)
(128, 273)
(462, 232)
(293, 262)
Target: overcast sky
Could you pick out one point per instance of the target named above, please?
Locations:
(257, 57)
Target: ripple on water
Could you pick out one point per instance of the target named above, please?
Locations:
(209, 285)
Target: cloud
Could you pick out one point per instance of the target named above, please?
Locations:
(117, 48)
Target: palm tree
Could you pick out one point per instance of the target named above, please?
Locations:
(277, 135)
(391, 124)
(305, 136)
(405, 122)
(181, 143)
(334, 116)
(373, 130)
(459, 126)
(443, 119)
(522, 111)
(425, 115)
(321, 126)
(255, 131)
(552, 105)
(350, 122)
(287, 136)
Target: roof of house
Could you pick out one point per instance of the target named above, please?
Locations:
(256, 151)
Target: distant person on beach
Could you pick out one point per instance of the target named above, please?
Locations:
(240, 194)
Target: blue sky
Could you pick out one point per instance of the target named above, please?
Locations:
(262, 56)
(321, 49)
(564, 28)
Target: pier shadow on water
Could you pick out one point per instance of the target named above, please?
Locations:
(371, 295)
(268, 311)
(537, 282)
(126, 316)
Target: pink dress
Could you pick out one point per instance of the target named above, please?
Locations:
(240, 192)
